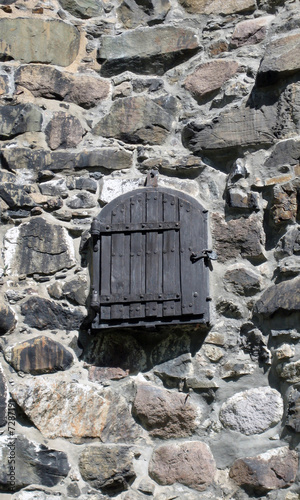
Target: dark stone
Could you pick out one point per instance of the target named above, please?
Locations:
(18, 119)
(293, 411)
(135, 13)
(243, 236)
(253, 342)
(99, 374)
(38, 160)
(108, 468)
(41, 248)
(150, 51)
(35, 46)
(49, 82)
(242, 281)
(83, 8)
(113, 350)
(150, 84)
(163, 413)
(15, 196)
(289, 244)
(63, 131)
(76, 290)
(39, 355)
(45, 314)
(86, 183)
(3, 399)
(272, 470)
(135, 120)
(35, 463)
(7, 319)
(283, 297)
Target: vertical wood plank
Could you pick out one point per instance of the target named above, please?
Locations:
(137, 251)
(171, 282)
(117, 261)
(153, 253)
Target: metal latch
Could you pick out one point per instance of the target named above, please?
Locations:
(206, 254)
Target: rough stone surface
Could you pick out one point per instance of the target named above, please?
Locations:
(289, 372)
(19, 119)
(243, 236)
(253, 411)
(289, 244)
(38, 247)
(90, 413)
(113, 350)
(107, 468)
(283, 297)
(217, 6)
(293, 411)
(250, 32)
(134, 13)
(163, 413)
(34, 463)
(135, 120)
(284, 204)
(210, 76)
(83, 8)
(272, 470)
(242, 281)
(38, 355)
(63, 131)
(3, 399)
(7, 319)
(51, 83)
(189, 463)
(151, 51)
(35, 46)
(281, 58)
(46, 314)
(100, 374)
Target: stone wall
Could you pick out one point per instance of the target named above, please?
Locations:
(94, 94)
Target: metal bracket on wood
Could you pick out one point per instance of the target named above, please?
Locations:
(152, 178)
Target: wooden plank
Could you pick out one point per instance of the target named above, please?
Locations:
(153, 252)
(117, 261)
(191, 272)
(137, 255)
(171, 282)
(105, 269)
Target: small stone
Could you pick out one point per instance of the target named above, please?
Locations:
(38, 355)
(135, 120)
(242, 281)
(20, 118)
(213, 353)
(289, 372)
(284, 204)
(272, 470)
(289, 244)
(163, 413)
(285, 351)
(83, 8)
(209, 77)
(82, 200)
(293, 410)
(282, 297)
(63, 131)
(76, 290)
(100, 374)
(55, 187)
(253, 411)
(189, 463)
(108, 468)
(281, 59)
(87, 184)
(250, 32)
(236, 369)
(7, 319)
(34, 463)
(243, 236)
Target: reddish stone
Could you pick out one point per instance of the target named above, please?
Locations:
(210, 76)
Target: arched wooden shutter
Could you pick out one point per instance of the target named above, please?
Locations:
(145, 265)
